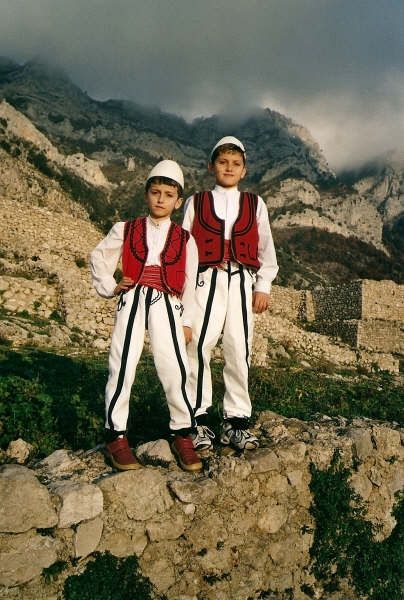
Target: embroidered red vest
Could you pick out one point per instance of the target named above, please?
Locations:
(208, 231)
(172, 257)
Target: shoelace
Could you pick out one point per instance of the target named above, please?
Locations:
(207, 432)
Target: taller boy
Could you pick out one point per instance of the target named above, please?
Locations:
(237, 263)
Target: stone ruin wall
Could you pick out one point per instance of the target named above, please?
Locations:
(365, 314)
(242, 529)
(382, 300)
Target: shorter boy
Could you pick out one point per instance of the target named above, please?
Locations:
(159, 264)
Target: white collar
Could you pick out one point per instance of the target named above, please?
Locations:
(224, 190)
(158, 224)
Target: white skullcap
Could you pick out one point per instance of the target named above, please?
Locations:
(229, 139)
(168, 168)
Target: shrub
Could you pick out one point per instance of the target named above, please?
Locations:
(343, 545)
(26, 412)
(51, 401)
(41, 162)
(80, 262)
(109, 578)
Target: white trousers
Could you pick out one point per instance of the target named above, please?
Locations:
(140, 308)
(223, 304)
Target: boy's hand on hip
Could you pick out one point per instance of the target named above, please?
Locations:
(123, 285)
(187, 334)
(260, 302)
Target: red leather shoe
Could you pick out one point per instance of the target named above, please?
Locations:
(184, 451)
(121, 455)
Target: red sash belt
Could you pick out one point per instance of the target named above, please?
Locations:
(152, 277)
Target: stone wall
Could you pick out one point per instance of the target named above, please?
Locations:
(382, 300)
(381, 336)
(239, 530)
(364, 299)
(365, 314)
(338, 303)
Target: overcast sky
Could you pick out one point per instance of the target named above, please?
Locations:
(335, 66)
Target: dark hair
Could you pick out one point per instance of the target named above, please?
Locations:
(166, 181)
(226, 148)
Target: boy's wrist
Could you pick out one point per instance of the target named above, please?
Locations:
(262, 286)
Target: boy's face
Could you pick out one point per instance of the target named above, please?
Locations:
(228, 169)
(162, 200)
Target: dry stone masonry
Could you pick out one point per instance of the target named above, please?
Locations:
(366, 314)
(241, 528)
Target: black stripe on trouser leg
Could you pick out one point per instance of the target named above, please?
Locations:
(179, 358)
(204, 328)
(149, 294)
(124, 357)
(244, 313)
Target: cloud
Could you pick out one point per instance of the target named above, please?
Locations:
(335, 66)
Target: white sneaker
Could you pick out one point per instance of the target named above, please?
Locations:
(202, 440)
(242, 439)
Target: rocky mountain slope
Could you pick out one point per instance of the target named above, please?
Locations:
(358, 217)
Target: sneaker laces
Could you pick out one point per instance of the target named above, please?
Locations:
(206, 432)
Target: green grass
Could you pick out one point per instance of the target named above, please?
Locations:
(53, 400)
(304, 393)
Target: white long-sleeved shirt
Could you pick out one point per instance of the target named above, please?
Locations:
(227, 204)
(105, 257)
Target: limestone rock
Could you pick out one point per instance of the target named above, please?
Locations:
(272, 517)
(87, 537)
(157, 452)
(121, 543)
(387, 441)
(61, 462)
(231, 471)
(24, 502)
(160, 572)
(79, 502)
(208, 531)
(362, 443)
(263, 460)
(397, 480)
(361, 485)
(23, 556)
(292, 453)
(198, 491)
(143, 493)
(19, 450)
(170, 529)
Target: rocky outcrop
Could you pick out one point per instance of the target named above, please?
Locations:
(45, 284)
(241, 528)
(18, 126)
(298, 203)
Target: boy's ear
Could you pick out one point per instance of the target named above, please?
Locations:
(210, 167)
(178, 203)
